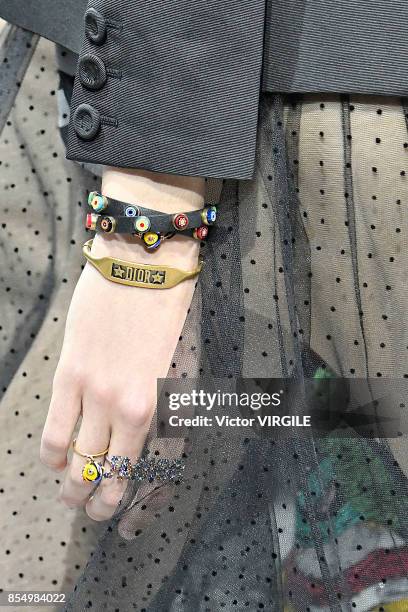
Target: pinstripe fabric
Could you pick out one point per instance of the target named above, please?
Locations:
(188, 99)
(336, 46)
(58, 20)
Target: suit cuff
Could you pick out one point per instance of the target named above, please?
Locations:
(169, 86)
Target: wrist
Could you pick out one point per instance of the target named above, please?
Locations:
(163, 192)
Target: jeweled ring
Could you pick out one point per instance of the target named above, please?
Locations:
(121, 466)
(144, 468)
(92, 470)
(162, 469)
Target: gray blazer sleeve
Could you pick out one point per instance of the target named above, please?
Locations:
(169, 86)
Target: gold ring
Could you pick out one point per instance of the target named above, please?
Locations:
(87, 455)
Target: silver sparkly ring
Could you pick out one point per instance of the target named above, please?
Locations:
(145, 468)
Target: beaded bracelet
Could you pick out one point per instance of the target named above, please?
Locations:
(156, 223)
(168, 222)
(151, 226)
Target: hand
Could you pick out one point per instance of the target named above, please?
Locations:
(118, 341)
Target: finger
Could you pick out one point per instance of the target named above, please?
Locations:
(126, 441)
(93, 438)
(62, 417)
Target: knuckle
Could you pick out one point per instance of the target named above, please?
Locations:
(102, 393)
(135, 413)
(51, 445)
(76, 478)
(110, 499)
(70, 501)
(67, 374)
(97, 516)
(53, 464)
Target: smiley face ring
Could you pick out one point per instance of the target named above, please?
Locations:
(93, 470)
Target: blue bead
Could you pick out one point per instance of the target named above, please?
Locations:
(97, 201)
(211, 214)
(131, 211)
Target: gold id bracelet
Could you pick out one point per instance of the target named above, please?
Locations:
(136, 274)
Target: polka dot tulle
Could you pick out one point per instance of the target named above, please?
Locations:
(307, 259)
(306, 268)
(44, 545)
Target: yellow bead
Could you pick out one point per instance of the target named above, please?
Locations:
(150, 238)
(92, 472)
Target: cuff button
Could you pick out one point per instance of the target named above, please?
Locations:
(92, 71)
(86, 121)
(95, 26)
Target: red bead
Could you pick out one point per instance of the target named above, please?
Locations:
(180, 221)
(91, 219)
(142, 224)
(201, 232)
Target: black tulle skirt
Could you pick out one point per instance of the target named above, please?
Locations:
(305, 273)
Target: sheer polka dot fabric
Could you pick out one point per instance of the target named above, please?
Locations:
(44, 545)
(307, 264)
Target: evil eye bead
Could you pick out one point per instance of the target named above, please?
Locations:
(180, 221)
(209, 215)
(201, 232)
(91, 219)
(91, 196)
(108, 224)
(92, 472)
(97, 201)
(151, 240)
(131, 211)
(142, 224)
